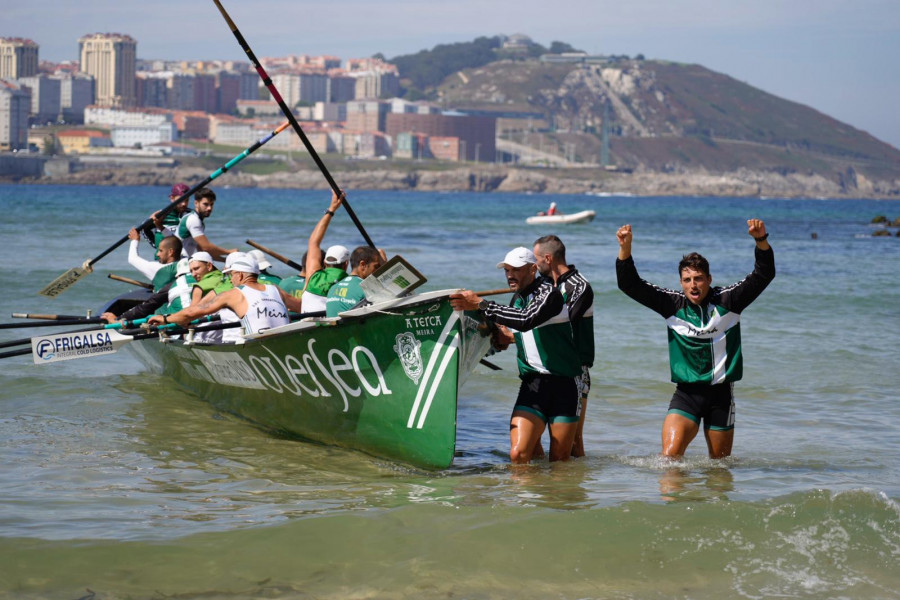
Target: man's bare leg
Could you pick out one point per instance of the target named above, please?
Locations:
(561, 437)
(677, 433)
(525, 431)
(719, 442)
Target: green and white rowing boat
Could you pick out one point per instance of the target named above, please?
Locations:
(383, 379)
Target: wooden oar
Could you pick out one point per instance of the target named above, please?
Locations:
(289, 115)
(276, 256)
(494, 292)
(148, 286)
(67, 279)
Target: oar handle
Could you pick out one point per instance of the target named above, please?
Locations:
(131, 281)
(267, 81)
(494, 292)
(276, 256)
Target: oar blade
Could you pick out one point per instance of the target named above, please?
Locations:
(63, 282)
(69, 346)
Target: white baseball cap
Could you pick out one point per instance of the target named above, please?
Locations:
(261, 259)
(183, 268)
(202, 257)
(518, 257)
(337, 255)
(243, 264)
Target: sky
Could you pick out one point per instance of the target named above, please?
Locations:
(840, 57)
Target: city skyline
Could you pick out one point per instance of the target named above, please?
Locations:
(831, 55)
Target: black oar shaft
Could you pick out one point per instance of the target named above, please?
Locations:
(50, 317)
(76, 321)
(267, 81)
(20, 352)
(21, 341)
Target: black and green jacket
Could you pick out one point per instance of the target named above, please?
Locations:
(539, 320)
(704, 339)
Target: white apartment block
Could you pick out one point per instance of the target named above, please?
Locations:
(134, 136)
(118, 117)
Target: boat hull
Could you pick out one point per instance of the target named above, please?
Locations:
(579, 217)
(383, 380)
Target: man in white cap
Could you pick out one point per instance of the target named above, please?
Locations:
(538, 322)
(209, 279)
(264, 266)
(258, 306)
(320, 278)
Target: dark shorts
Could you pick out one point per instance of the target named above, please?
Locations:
(552, 398)
(712, 404)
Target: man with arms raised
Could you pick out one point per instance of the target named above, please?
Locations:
(258, 306)
(550, 253)
(547, 358)
(320, 279)
(192, 229)
(704, 340)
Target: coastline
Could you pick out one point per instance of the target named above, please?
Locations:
(377, 175)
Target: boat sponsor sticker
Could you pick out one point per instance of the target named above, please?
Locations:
(228, 368)
(66, 346)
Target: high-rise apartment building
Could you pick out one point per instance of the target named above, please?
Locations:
(15, 104)
(111, 58)
(18, 58)
(76, 92)
(45, 98)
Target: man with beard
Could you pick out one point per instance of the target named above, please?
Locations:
(550, 253)
(704, 332)
(537, 321)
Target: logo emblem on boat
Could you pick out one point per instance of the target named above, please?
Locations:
(407, 349)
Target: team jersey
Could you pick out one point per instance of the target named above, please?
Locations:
(293, 285)
(704, 339)
(579, 299)
(189, 229)
(314, 298)
(268, 279)
(344, 295)
(180, 293)
(265, 309)
(165, 275)
(539, 320)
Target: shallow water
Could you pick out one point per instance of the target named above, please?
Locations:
(114, 481)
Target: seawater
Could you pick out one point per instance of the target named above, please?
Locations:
(116, 484)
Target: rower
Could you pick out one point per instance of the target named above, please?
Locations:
(258, 306)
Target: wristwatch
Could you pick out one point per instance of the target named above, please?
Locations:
(329, 212)
(761, 238)
(483, 304)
